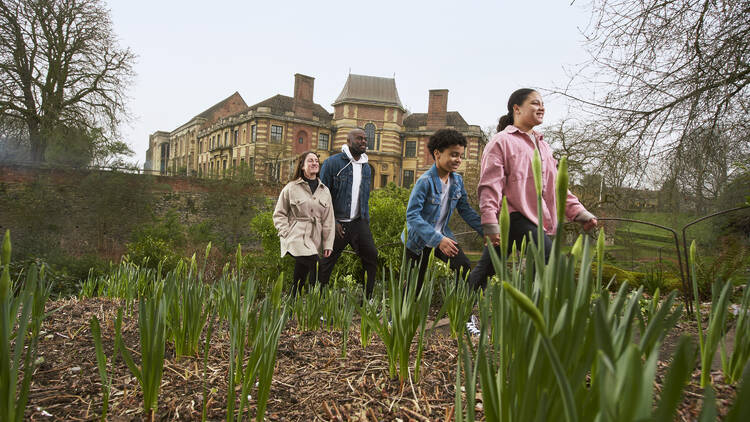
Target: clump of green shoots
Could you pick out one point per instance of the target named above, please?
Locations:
(101, 362)
(458, 303)
(557, 349)
(406, 315)
(734, 364)
(264, 331)
(716, 321)
(152, 331)
(236, 299)
(186, 297)
(338, 312)
(307, 307)
(21, 319)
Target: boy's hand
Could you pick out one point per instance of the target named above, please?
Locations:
(448, 247)
(340, 230)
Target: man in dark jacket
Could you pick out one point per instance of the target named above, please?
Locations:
(348, 177)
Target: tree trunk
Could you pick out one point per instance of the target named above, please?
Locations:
(37, 142)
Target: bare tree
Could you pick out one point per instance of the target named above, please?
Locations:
(60, 67)
(660, 69)
(702, 165)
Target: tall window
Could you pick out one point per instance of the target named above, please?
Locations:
(272, 171)
(323, 141)
(408, 178)
(226, 139)
(253, 133)
(236, 136)
(370, 135)
(410, 150)
(276, 133)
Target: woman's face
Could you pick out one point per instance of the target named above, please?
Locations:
(311, 166)
(530, 113)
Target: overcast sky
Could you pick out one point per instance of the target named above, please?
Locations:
(192, 54)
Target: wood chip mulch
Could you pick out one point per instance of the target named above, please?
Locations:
(311, 381)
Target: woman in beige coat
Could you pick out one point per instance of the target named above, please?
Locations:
(304, 219)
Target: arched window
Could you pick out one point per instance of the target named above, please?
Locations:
(370, 135)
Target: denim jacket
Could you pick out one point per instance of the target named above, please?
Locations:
(336, 173)
(423, 210)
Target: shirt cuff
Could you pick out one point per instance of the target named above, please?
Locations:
(489, 229)
(584, 216)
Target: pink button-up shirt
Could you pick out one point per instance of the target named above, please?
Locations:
(506, 170)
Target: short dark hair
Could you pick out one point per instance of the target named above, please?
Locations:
(443, 139)
(301, 162)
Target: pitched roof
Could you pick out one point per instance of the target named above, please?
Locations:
(370, 89)
(208, 113)
(279, 104)
(415, 120)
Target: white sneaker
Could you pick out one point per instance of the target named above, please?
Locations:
(472, 326)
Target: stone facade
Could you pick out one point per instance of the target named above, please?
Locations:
(264, 140)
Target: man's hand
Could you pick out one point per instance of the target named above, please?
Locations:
(326, 253)
(590, 224)
(494, 239)
(448, 247)
(340, 230)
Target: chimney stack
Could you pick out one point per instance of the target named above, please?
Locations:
(303, 95)
(437, 110)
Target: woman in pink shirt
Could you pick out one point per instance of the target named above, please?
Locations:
(506, 171)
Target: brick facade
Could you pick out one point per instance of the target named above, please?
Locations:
(264, 140)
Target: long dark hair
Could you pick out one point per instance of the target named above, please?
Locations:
(516, 98)
(301, 162)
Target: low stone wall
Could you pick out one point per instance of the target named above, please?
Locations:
(90, 211)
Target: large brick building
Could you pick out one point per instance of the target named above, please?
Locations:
(264, 139)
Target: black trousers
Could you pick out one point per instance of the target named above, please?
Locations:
(459, 263)
(357, 234)
(520, 227)
(304, 267)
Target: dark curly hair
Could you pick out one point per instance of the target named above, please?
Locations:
(443, 139)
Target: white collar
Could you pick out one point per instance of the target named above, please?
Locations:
(362, 158)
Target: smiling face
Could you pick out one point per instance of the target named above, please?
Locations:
(530, 113)
(311, 166)
(449, 159)
(357, 142)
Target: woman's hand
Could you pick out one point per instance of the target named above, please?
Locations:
(494, 238)
(590, 224)
(327, 253)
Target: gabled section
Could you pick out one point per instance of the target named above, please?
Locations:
(230, 105)
(370, 90)
(280, 104)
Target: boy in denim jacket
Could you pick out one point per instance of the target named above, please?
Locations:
(436, 194)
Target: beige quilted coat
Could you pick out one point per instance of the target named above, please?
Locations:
(304, 220)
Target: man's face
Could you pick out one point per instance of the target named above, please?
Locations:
(357, 142)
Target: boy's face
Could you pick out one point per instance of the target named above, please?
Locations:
(449, 159)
